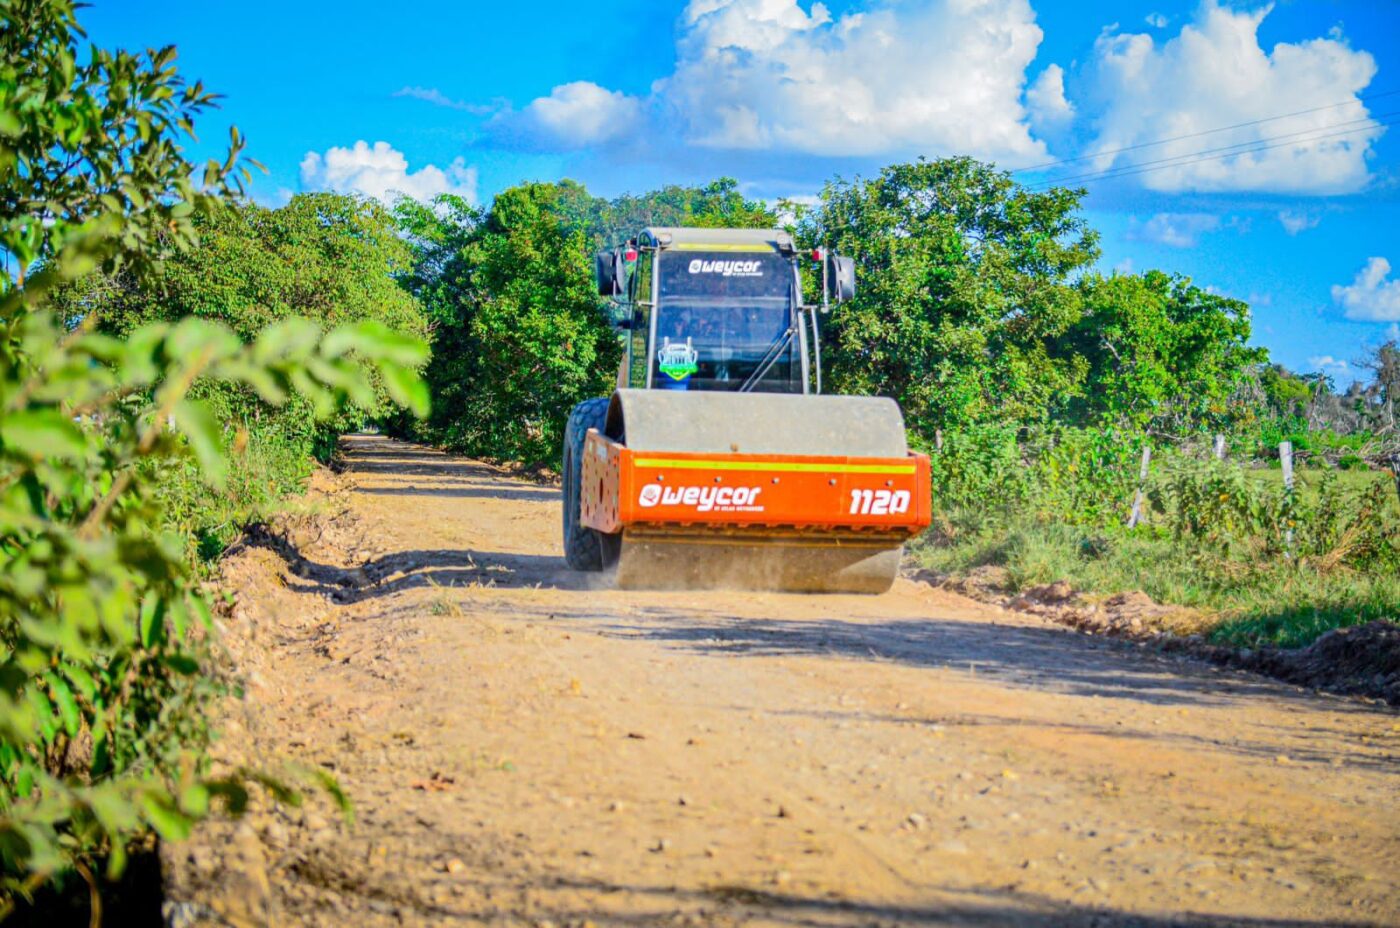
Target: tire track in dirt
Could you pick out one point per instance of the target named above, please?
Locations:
(526, 746)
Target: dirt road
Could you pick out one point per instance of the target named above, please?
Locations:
(525, 748)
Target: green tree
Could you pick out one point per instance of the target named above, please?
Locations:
(718, 204)
(1286, 393)
(520, 335)
(102, 730)
(1161, 353)
(964, 277)
(325, 257)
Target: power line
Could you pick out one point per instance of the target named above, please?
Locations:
(1371, 122)
(1204, 132)
(1132, 169)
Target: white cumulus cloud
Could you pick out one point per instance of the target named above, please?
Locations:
(1332, 367)
(574, 115)
(381, 171)
(1372, 296)
(935, 77)
(1046, 98)
(1177, 230)
(1295, 222)
(1214, 73)
(939, 77)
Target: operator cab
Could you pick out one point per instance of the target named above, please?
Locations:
(718, 309)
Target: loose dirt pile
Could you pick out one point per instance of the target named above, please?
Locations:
(1364, 660)
(523, 746)
(1359, 661)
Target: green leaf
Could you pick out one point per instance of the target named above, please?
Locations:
(152, 623)
(407, 389)
(290, 338)
(68, 707)
(43, 708)
(194, 800)
(182, 664)
(194, 338)
(169, 822)
(332, 786)
(112, 808)
(42, 433)
(202, 429)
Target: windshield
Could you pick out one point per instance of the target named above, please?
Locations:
(719, 316)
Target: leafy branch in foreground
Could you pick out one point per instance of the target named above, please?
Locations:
(103, 629)
(96, 603)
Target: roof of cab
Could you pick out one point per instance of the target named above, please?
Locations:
(717, 239)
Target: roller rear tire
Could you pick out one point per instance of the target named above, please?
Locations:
(584, 548)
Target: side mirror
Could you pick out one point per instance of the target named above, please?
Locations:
(605, 269)
(841, 277)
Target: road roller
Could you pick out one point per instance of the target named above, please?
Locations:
(718, 462)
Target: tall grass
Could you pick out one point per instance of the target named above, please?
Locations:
(1262, 565)
(272, 453)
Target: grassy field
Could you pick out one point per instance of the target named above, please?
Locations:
(1307, 479)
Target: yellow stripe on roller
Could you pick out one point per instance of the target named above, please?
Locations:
(710, 246)
(786, 467)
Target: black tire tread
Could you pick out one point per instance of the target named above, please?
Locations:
(583, 546)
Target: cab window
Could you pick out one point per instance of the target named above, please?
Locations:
(639, 293)
(724, 323)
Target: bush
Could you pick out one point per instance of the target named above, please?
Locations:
(102, 693)
(271, 456)
(1271, 566)
(323, 256)
(1241, 527)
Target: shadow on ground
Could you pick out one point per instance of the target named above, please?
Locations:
(457, 491)
(740, 904)
(1030, 656)
(406, 570)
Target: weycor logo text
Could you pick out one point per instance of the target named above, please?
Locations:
(727, 268)
(702, 499)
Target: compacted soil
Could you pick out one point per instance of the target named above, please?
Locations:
(524, 745)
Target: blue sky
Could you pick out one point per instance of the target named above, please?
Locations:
(1293, 209)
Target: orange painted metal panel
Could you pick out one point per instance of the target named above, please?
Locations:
(625, 488)
(598, 497)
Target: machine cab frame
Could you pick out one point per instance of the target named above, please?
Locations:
(718, 310)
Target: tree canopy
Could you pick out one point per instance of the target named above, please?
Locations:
(964, 278)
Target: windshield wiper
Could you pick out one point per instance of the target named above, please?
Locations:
(770, 357)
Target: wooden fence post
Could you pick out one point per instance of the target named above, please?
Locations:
(1395, 472)
(1220, 447)
(1136, 515)
(1285, 459)
(938, 439)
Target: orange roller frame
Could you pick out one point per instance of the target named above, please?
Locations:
(625, 488)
